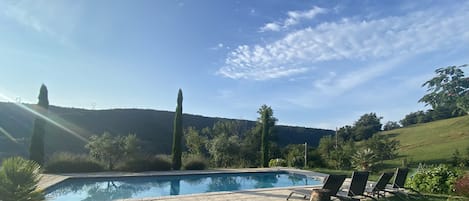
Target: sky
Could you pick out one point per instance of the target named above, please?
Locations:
(318, 64)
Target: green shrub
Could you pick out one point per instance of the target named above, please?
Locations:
(195, 163)
(68, 163)
(462, 186)
(161, 163)
(136, 165)
(19, 179)
(278, 162)
(156, 163)
(439, 179)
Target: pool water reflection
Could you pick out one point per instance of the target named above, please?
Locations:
(154, 186)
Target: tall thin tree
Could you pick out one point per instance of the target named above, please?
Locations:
(36, 149)
(177, 134)
(268, 121)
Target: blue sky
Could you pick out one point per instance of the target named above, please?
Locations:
(316, 63)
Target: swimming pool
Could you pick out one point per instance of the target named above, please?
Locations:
(84, 189)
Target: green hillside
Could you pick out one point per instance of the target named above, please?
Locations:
(432, 142)
(153, 127)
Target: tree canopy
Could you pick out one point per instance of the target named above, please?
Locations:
(366, 126)
(111, 149)
(448, 89)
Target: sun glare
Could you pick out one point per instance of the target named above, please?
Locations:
(8, 135)
(51, 121)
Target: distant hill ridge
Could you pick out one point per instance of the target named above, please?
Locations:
(152, 126)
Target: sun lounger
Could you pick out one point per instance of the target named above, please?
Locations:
(380, 187)
(357, 187)
(331, 183)
(399, 183)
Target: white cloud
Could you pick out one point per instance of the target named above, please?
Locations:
(376, 39)
(294, 17)
(271, 27)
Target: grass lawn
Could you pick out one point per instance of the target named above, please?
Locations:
(432, 142)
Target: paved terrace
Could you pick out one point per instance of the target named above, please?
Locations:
(268, 194)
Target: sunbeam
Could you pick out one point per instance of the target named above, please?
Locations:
(53, 122)
(8, 135)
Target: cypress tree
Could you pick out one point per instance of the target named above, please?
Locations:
(177, 134)
(36, 149)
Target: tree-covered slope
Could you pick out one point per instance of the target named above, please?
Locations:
(153, 127)
(432, 142)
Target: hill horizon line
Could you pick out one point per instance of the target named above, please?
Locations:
(159, 110)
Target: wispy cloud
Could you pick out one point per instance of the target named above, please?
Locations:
(24, 17)
(336, 85)
(218, 46)
(56, 19)
(294, 17)
(350, 39)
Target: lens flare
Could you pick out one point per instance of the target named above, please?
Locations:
(8, 135)
(49, 120)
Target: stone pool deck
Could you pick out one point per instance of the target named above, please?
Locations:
(269, 194)
(276, 194)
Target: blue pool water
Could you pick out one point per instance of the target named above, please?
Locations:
(105, 189)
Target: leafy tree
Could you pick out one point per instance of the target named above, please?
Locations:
(268, 122)
(366, 126)
(248, 143)
(463, 102)
(391, 125)
(111, 149)
(230, 127)
(224, 149)
(177, 134)
(131, 146)
(382, 147)
(314, 158)
(424, 117)
(19, 179)
(195, 143)
(409, 119)
(295, 155)
(336, 153)
(36, 149)
(345, 133)
(443, 112)
(249, 150)
(340, 157)
(326, 146)
(448, 89)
